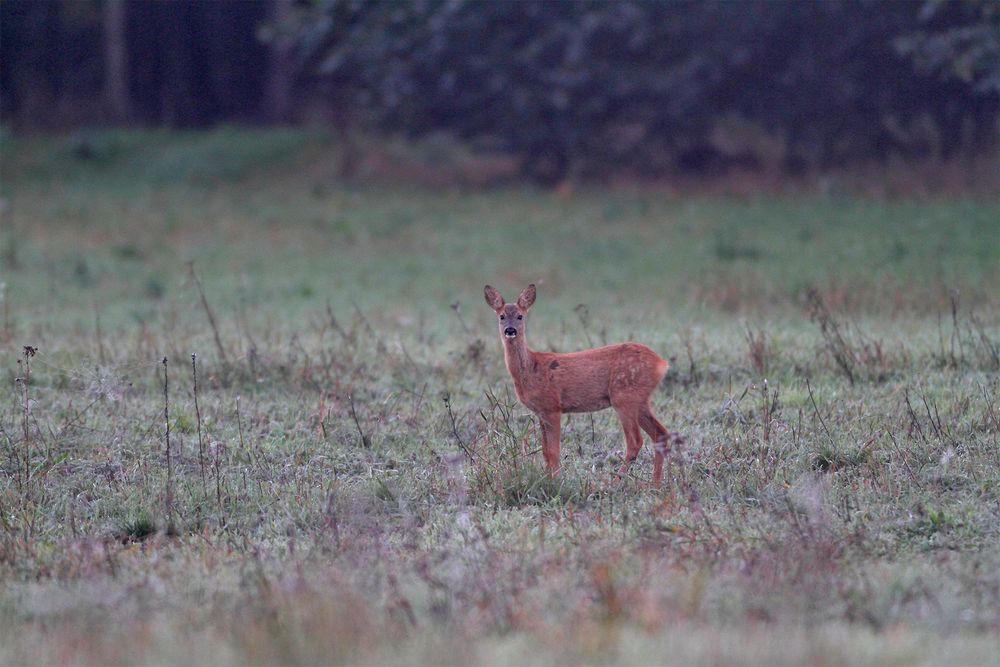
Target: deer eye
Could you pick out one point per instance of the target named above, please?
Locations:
(501, 317)
(520, 317)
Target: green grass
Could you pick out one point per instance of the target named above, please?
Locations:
(330, 514)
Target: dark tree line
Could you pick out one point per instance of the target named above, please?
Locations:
(183, 63)
(639, 84)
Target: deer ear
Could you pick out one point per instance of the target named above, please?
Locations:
(493, 298)
(527, 297)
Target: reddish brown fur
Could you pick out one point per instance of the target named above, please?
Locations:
(621, 376)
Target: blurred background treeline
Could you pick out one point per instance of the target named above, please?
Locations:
(565, 88)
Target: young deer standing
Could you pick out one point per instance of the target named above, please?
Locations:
(621, 376)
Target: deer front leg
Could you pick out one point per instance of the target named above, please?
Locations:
(550, 422)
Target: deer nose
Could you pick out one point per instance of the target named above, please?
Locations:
(510, 331)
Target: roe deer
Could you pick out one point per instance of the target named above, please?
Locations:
(621, 376)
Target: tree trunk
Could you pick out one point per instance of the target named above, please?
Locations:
(177, 99)
(281, 68)
(116, 97)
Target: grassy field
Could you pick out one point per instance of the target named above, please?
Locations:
(316, 504)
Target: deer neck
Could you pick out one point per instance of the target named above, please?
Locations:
(520, 360)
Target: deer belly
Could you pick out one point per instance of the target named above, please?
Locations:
(585, 401)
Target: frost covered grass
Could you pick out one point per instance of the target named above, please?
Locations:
(354, 482)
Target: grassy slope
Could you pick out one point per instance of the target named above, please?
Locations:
(856, 522)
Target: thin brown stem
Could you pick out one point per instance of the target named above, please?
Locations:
(211, 318)
(28, 353)
(197, 412)
(365, 442)
(169, 492)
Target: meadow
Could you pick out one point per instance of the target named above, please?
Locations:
(255, 413)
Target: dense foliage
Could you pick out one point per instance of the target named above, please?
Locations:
(567, 86)
(637, 82)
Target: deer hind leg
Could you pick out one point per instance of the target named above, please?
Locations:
(633, 438)
(659, 435)
(550, 423)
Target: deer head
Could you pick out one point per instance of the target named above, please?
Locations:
(511, 315)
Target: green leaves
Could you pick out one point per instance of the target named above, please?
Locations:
(582, 87)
